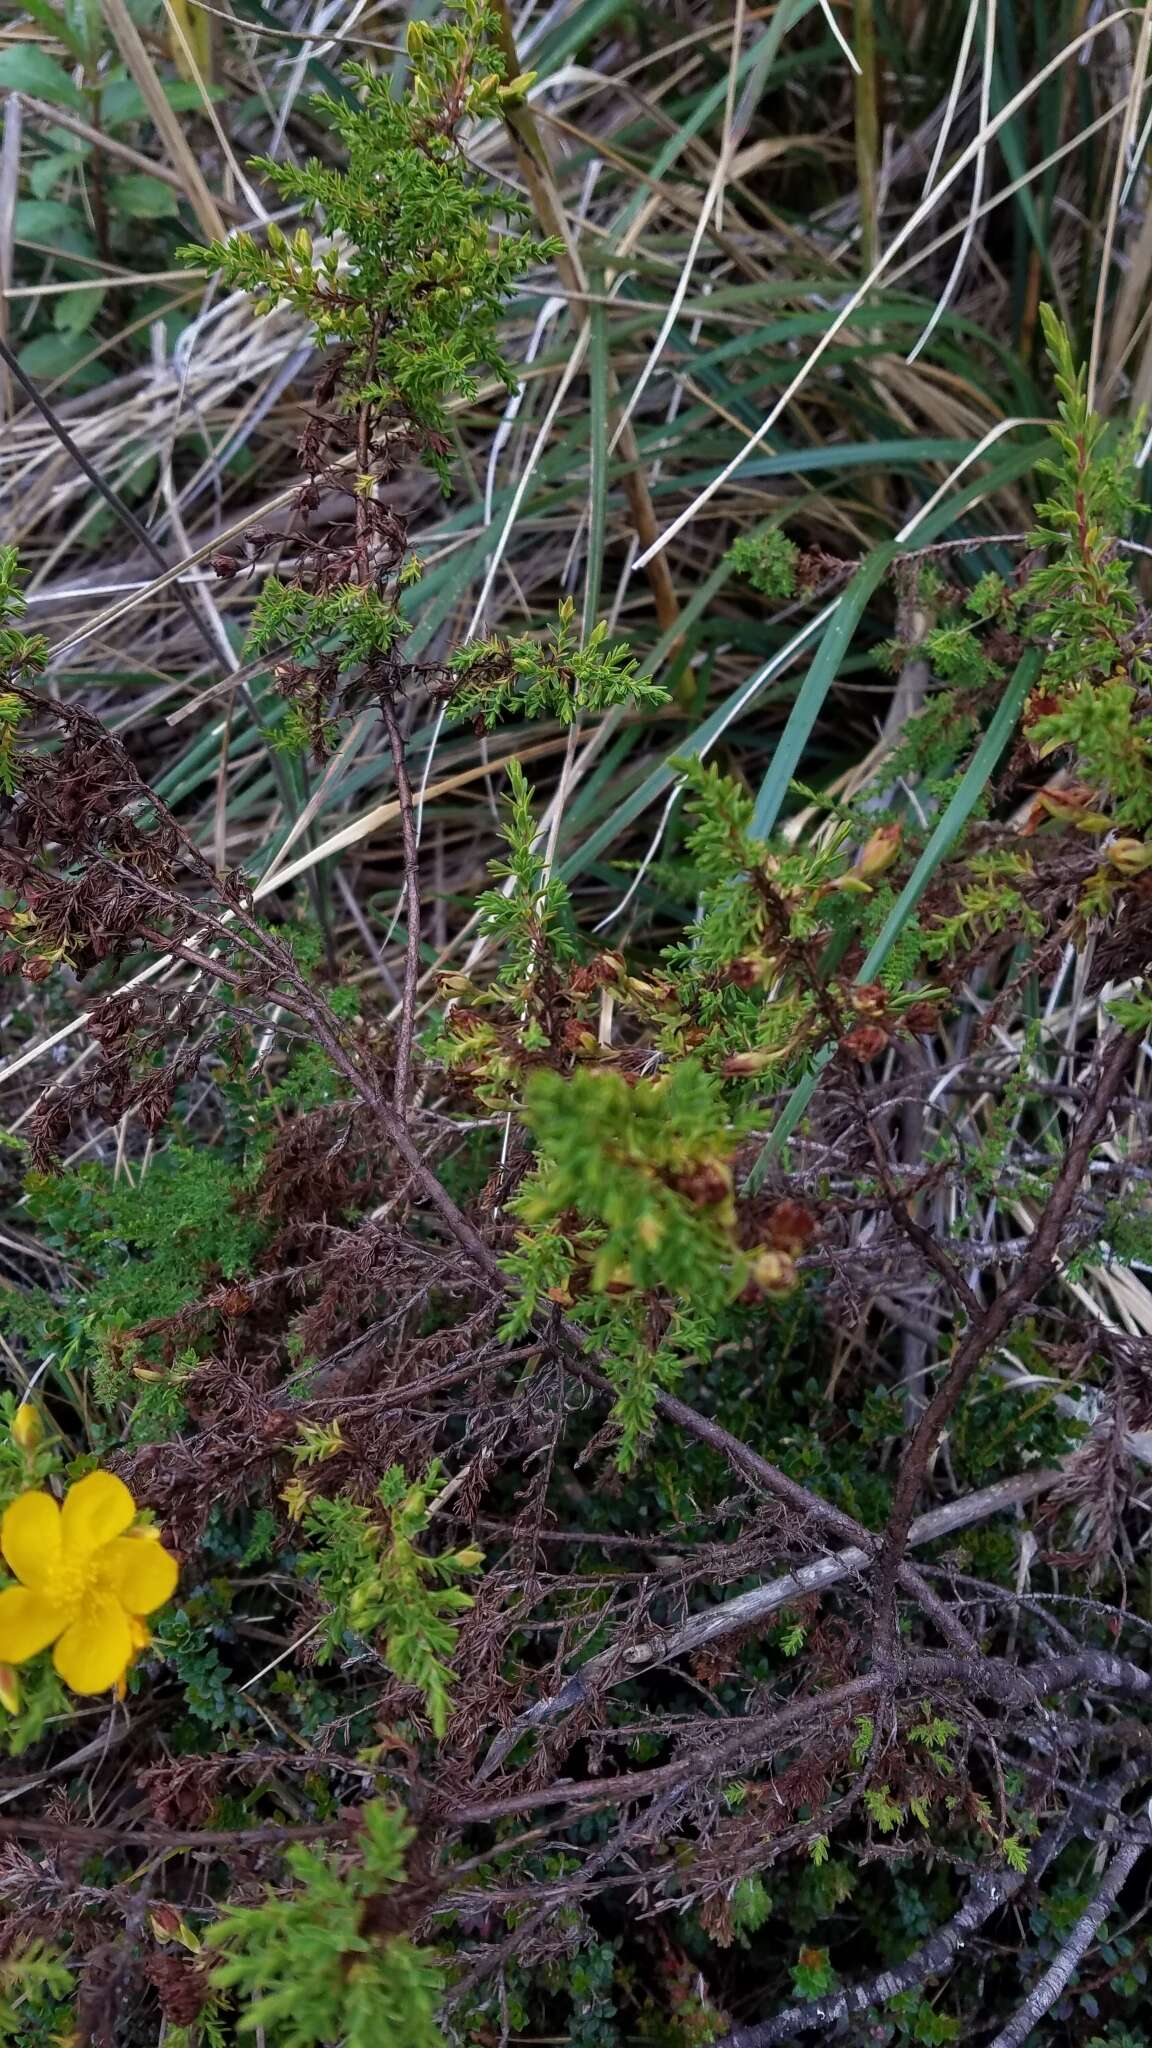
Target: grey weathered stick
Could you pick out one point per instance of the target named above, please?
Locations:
(989, 1891)
(1047, 1989)
(745, 1610)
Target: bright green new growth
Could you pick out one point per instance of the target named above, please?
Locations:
(377, 1583)
(405, 295)
(631, 1200)
(1087, 602)
(767, 561)
(554, 678)
(315, 1964)
(295, 620)
(20, 653)
(36, 1986)
(533, 917)
(530, 919)
(648, 1165)
(413, 280)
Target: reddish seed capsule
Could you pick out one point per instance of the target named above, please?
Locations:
(746, 1063)
(865, 1043)
(790, 1227)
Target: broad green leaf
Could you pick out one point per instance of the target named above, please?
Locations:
(84, 22)
(122, 100)
(53, 356)
(53, 223)
(142, 197)
(60, 25)
(26, 68)
(75, 311)
(48, 170)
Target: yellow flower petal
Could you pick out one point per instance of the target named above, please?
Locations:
(30, 1537)
(140, 1572)
(95, 1510)
(28, 1622)
(96, 1649)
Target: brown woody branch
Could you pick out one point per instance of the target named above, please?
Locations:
(987, 1894)
(986, 1331)
(749, 1610)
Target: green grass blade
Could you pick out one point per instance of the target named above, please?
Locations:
(973, 783)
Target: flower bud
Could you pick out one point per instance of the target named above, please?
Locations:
(774, 1273)
(1130, 856)
(167, 1925)
(748, 971)
(922, 1018)
(27, 1427)
(878, 852)
(9, 1690)
(470, 1558)
(516, 88)
(752, 1062)
(164, 1922)
(790, 1225)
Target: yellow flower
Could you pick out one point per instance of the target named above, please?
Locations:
(84, 1581)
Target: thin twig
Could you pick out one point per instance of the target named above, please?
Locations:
(987, 1330)
(988, 1893)
(1047, 1990)
(412, 892)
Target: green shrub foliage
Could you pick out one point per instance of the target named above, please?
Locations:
(542, 1380)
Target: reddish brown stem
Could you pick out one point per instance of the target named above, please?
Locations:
(987, 1330)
